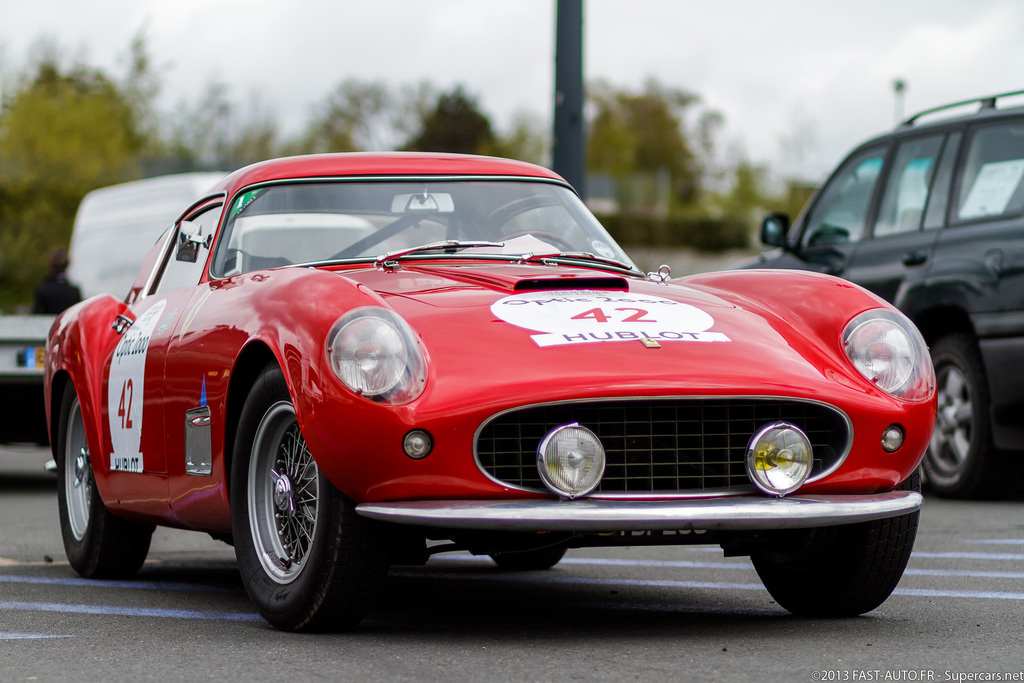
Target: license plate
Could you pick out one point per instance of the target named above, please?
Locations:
(32, 357)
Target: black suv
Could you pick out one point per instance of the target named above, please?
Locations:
(931, 217)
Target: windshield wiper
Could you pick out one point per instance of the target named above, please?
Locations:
(450, 246)
(576, 255)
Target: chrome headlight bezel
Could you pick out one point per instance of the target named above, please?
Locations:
(374, 353)
(889, 351)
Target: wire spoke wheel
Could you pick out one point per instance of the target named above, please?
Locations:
(283, 495)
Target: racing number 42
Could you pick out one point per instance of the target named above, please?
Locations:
(124, 409)
(598, 315)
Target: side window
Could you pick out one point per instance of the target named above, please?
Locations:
(906, 189)
(840, 213)
(935, 216)
(990, 184)
(188, 251)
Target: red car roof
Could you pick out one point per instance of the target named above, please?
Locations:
(380, 163)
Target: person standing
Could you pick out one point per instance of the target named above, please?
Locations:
(55, 293)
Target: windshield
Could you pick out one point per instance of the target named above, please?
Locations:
(318, 222)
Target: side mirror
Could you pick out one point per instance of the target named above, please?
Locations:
(190, 238)
(774, 228)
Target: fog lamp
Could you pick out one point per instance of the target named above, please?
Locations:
(779, 458)
(417, 444)
(570, 460)
(892, 438)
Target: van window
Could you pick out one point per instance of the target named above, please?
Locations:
(840, 213)
(991, 182)
(906, 190)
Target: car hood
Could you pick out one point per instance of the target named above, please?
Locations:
(557, 331)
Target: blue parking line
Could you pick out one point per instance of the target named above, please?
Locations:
(998, 541)
(101, 583)
(972, 556)
(985, 595)
(124, 611)
(27, 636)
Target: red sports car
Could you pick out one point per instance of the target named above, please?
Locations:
(341, 362)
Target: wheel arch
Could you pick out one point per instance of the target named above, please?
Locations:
(247, 368)
(939, 321)
(58, 385)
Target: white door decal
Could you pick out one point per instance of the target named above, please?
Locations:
(125, 390)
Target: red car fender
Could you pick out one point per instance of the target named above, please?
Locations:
(87, 328)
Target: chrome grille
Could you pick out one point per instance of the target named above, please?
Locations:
(660, 445)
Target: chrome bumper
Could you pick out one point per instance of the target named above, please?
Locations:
(726, 514)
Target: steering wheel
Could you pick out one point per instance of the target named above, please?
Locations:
(503, 214)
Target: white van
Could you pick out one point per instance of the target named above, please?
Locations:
(116, 226)
(114, 230)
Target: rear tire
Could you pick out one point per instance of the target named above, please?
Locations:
(98, 544)
(308, 561)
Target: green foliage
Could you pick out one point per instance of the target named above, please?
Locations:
(364, 116)
(67, 129)
(455, 125)
(635, 134)
(63, 131)
(703, 233)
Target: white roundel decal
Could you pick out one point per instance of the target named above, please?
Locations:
(581, 317)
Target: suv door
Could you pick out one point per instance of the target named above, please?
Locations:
(898, 252)
(836, 223)
(979, 269)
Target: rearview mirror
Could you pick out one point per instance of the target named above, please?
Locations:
(423, 202)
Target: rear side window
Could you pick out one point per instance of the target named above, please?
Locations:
(841, 211)
(990, 185)
(906, 190)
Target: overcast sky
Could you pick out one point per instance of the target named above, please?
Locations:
(816, 71)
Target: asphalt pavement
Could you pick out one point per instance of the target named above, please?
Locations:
(649, 614)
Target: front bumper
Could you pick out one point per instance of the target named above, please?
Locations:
(724, 514)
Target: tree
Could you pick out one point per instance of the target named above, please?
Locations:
(64, 130)
(455, 125)
(643, 134)
(367, 116)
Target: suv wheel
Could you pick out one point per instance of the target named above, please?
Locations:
(961, 461)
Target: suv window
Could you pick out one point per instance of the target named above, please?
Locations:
(906, 190)
(991, 181)
(839, 215)
(935, 217)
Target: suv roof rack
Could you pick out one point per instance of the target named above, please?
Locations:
(985, 102)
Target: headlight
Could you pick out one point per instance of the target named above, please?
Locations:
(888, 350)
(374, 352)
(570, 460)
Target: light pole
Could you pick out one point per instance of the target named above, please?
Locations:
(568, 153)
(898, 86)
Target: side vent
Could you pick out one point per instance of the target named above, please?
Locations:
(573, 283)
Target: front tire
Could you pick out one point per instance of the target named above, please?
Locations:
(98, 544)
(529, 560)
(840, 571)
(308, 561)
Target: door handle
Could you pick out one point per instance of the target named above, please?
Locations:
(915, 258)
